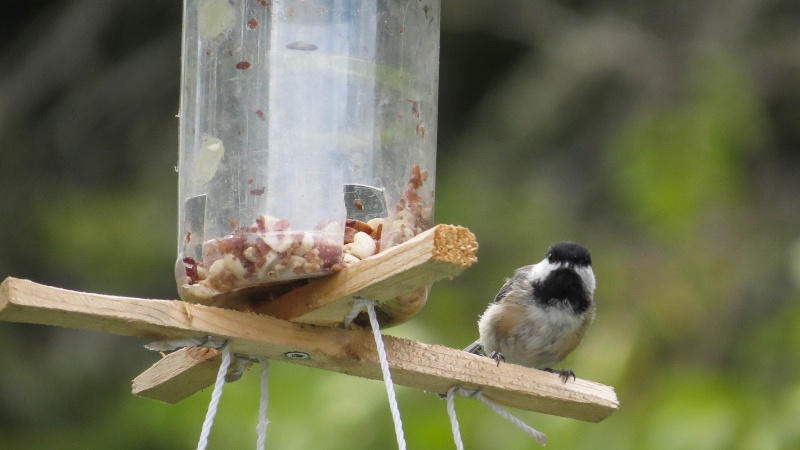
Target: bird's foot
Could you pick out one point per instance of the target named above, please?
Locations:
(497, 356)
(564, 374)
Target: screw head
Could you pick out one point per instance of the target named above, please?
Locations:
(297, 355)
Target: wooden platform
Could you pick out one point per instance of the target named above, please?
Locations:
(305, 321)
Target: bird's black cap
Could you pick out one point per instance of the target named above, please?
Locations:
(569, 253)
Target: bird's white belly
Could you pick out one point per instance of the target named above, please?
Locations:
(539, 338)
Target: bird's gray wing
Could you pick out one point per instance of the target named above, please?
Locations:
(476, 347)
(519, 276)
(503, 291)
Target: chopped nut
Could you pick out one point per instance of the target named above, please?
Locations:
(265, 223)
(412, 213)
(251, 254)
(279, 242)
(265, 265)
(269, 250)
(363, 245)
(310, 267)
(348, 259)
(229, 264)
(359, 225)
(349, 233)
(305, 244)
(375, 223)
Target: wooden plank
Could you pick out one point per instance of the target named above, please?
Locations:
(179, 375)
(395, 278)
(428, 367)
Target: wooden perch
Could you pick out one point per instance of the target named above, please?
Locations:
(431, 368)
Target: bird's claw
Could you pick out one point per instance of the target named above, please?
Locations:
(497, 356)
(564, 374)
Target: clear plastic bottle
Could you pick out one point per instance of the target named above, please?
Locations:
(305, 127)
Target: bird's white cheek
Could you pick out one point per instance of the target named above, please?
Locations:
(587, 275)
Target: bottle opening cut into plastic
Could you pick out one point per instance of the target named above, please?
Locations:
(307, 137)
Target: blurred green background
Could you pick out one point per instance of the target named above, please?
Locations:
(664, 135)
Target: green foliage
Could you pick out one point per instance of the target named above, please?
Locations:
(678, 162)
(111, 241)
(660, 134)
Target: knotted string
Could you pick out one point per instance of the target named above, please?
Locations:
(540, 437)
(222, 377)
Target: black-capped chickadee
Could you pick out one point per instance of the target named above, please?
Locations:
(541, 314)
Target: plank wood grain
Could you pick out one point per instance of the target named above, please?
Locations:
(428, 367)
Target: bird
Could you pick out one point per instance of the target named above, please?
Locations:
(541, 314)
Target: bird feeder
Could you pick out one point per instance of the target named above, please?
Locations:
(307, 147)
(307, 139)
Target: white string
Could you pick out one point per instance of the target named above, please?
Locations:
(387, 376)
(540, 437)
(215, 396)
(222, 377)
(451, 411)
(261, 428)
(358, 306)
